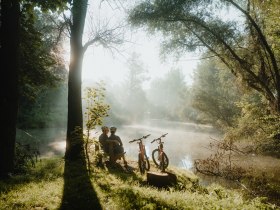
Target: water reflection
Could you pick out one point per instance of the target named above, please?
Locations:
(49, 141)
(186, 163)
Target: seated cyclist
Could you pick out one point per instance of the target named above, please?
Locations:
(103, 138)
(118, 148)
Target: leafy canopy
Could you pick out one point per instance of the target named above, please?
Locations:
(200, 25)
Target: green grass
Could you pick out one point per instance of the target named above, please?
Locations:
(45, 188)
(41, 187)
(118, 193)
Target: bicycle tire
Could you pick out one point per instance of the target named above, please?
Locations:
(147, 163)
(155, 155)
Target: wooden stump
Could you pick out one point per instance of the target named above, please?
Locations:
(161, 180)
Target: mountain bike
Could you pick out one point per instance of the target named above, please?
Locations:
(159, 157)
(143, 161)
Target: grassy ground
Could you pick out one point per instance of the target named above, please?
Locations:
(112, 187)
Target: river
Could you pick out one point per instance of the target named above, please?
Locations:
(184, 143)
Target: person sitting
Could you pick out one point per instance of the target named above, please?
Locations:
(103, 138)
(118, 147)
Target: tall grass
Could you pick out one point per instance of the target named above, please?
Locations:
(118, 193)
(40, 188)
(117, 189)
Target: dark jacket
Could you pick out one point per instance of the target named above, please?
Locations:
(102, 139)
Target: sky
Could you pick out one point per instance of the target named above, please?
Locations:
(102, 64)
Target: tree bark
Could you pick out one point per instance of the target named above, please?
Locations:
(74, 141)
(10, 13)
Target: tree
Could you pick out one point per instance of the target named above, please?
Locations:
(243, 45)
(215, 95)
(96, 110)
(10, 15)
(102, 35)
(170, 102)
(75, 117)
(135, 101)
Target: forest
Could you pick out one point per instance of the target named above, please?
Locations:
(223, 123)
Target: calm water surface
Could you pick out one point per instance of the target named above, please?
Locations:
(184, 142)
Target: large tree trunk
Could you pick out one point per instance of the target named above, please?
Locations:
(74, 141)
(10, 11)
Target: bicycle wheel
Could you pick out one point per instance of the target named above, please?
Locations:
(165, 161)
(155, 156)
(147, 163)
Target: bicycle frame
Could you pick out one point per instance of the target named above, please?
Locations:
(142, 149)
(143, 161)
(160, 148)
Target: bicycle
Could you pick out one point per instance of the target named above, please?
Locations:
(143, 161)
(159, 157)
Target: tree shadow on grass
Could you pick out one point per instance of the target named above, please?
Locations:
(78, 192)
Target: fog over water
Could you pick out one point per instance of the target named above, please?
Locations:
(184, 143)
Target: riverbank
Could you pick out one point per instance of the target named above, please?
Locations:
(44, 187)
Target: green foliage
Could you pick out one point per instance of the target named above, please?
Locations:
(41, 70)
(47, 110)
(169, 97)
(45, 5)
(198, 25)
(96, 111)
(98, 154)
(247, 48)
(25, 157)
(256, 124)
(39, 67)
(96, 108)
(215, 94)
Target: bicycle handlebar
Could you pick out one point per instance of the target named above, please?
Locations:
(144, 137)
(159, 138)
